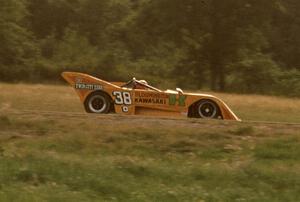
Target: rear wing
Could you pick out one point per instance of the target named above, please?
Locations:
(74, 78)
(84, 84)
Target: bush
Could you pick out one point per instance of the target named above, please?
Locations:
(289, 83)
(257, 74)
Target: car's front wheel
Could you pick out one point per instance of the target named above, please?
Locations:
(97, 103)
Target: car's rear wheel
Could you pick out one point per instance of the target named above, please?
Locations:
(208, 109)
(97, 102)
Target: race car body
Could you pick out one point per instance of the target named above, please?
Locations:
(137, 97)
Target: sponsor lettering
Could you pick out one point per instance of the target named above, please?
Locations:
(151, 95)
(85, 86)
(151, 98)
(150, 101)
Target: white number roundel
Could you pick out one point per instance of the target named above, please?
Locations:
(125, 109)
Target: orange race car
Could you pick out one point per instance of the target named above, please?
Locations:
(139, 98)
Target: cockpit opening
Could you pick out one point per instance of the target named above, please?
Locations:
(139, 84)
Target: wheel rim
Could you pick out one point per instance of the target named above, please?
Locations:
(207, 109)
(97, 104)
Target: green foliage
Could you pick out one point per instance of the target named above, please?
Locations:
(254, 74)
(17, 48)
(75, 51)
(241, 46)
(289, 83)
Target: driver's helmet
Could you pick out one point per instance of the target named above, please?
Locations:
(143, 82)
(139, 86)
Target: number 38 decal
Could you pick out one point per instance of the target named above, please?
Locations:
(122, 98)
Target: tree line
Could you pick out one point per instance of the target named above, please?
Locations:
(244, 46)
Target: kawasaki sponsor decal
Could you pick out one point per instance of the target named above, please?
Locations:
(150, 100)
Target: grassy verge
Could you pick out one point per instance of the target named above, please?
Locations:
(86, 159)
(53, 157)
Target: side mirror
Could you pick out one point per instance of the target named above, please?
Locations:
(179, 90)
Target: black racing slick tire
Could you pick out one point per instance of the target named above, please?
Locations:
(208, 109)
(97, 102)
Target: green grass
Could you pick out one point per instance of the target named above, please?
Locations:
(56, 157)
(76, 160)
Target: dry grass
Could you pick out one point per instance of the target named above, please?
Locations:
(264, 108)
(63, 98)
(39, 97)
